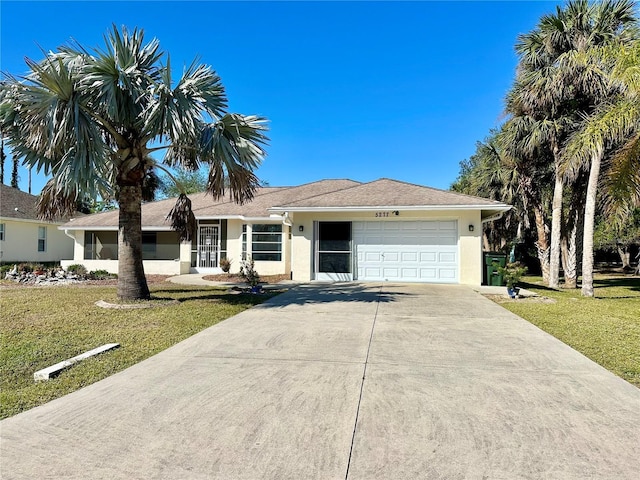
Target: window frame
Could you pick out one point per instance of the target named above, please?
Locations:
(42, 239)
(269, 254)
(2, 232)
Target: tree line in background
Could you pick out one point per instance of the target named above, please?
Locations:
(567, 155)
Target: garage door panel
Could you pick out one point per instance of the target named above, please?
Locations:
(447, 273)
(374, 256)
(409, 273)
(391, 257)
(407, 251)
(409, 257)
(428, 256)
(447, 257)
(429, 274)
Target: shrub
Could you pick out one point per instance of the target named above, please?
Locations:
(77, 268)
(248, 272)
(225, 265)
(512, 273)
(101, 275)
(5, 268)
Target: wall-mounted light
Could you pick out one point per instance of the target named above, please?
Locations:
(301, 228)
(471, 228)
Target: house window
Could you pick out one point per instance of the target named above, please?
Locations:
(42, 239)
(1, 231)
(244, 241)
(266, 242)
(149, 245)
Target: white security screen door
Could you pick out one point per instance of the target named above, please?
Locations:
(208, 241)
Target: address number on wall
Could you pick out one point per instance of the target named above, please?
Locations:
(393, 213)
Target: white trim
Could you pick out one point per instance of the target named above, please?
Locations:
(237, 217)
(30, 220)
(111, 228)
(502, 207)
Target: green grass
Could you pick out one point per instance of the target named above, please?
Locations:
(605, 328)
(43, 326)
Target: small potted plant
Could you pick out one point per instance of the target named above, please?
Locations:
(512, 273)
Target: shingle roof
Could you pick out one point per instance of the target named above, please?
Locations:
(317, 195)
(204, 206)
(388, 193)
(19, 205)
(12, 198)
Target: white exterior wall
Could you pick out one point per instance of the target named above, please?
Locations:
(234, 244)
(21, 242)
(469, 243)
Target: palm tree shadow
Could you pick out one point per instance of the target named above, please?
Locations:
(320, 293)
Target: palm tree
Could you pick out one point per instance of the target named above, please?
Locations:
(521, 147)
(556, 96)
(488, 173)
(3, 157)
(92, 120)
(610, 135)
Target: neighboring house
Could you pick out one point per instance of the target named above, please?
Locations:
(336, 230)
(25, 238)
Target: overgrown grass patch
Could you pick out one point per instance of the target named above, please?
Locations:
(43, 326)
(605, 328)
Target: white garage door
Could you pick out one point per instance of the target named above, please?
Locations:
(407, 251)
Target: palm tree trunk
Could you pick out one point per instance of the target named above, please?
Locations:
(589, 224)
(625, 256)
(132, 283)
(542, 244)
(569, 247)
(556, 219)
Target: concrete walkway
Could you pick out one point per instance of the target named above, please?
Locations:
(349, 382)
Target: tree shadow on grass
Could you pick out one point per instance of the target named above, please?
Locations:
(630, 283)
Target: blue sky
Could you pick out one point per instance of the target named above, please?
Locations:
(358, 90)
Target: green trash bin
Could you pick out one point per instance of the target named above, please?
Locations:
(492, 261)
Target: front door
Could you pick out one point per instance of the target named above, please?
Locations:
(208, 241)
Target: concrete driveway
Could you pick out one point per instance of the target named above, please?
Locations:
(344, 382)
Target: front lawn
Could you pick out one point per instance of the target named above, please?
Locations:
(41, 326)
(605, 328)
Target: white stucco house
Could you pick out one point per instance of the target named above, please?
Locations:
(24, 237)
(339, 230)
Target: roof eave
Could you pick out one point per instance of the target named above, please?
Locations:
(371, 208)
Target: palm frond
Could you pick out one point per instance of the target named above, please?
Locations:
(55, 202)
(182, 218)
(622, 180)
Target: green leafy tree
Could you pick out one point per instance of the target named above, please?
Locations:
(183, 181)
(92, 120)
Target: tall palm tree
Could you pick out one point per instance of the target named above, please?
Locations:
(3, 157)
(522, 148)
(609, 136)
(558, 96)
(92, 120)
